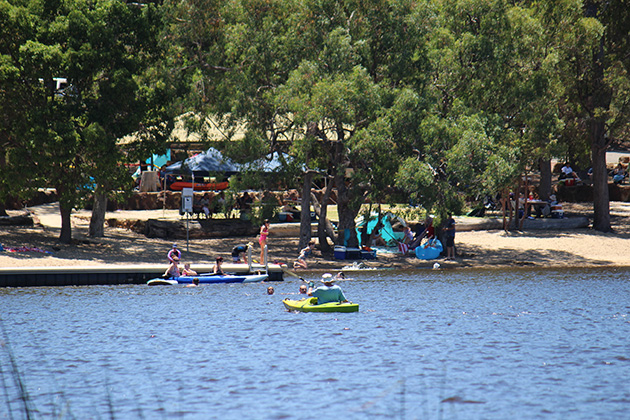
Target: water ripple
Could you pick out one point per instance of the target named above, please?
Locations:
(468, 344)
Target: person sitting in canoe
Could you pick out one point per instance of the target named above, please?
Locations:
(217, 270)
(173, 269)
(328, 292)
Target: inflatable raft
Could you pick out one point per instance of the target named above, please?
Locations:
(430, 250)
(310, 305)
(208, 278)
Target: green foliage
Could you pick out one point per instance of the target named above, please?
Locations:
(66, 137)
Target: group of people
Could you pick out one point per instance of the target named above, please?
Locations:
(618, 174)
(411, 241)
(173, 270)
(326, 293)
(174, 256)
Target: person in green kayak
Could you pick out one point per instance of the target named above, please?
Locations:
(329, 292)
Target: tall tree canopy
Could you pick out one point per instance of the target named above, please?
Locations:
(65, 136)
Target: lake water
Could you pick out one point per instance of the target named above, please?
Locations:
(521, 344)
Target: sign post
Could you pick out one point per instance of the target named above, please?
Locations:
(187, 207)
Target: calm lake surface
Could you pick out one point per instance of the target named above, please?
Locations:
(521, 344)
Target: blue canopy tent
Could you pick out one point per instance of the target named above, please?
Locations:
(270, 163)
(387, 232)
(202, 164)
(213, 161)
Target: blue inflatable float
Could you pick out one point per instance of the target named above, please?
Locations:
(429, 250)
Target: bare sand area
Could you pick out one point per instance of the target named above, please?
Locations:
(477, 248)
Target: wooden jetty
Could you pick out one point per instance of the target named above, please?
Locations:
(114, 274)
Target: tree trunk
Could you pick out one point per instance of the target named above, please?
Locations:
(521, 218)
(325, 228)
(65, 236)
(305, 215)
(601, 200)
(599, 97)
(544, 190)
(97, 221)
(347, 234)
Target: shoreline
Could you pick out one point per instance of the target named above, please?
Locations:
(476, 249)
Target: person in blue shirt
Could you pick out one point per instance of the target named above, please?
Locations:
(328, 292)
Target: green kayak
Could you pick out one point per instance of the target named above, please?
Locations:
(310, 305)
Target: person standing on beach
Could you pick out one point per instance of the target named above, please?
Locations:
(262, 239)
(450, 237)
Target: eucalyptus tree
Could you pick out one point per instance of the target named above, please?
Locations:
(305, 77)
(19, 97)
(357, 93)
(492, 116)
(592, 49)
(66, 137)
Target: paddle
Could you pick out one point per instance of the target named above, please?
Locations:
(293, 274)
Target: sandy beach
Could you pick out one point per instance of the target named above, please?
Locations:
(476, 248)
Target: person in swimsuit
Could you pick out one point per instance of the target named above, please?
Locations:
(174, 252)
(262, 239)
(304, 253)
(217, 267)
(187, 271)
(194, 283)
(173, 269)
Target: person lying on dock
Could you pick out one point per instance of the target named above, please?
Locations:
(217, 270)
(328, 292)
(173, 269)
(187, 271)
